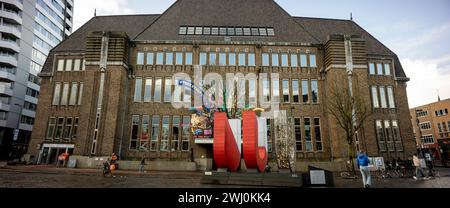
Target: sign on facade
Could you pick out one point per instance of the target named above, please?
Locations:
(317, 177)
(16, 134)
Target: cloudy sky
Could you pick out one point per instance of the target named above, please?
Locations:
(417, 30)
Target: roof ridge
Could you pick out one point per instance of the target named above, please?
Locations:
(125, 15)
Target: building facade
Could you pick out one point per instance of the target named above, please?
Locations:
(117, 95)
(431, 125)
(29, 30)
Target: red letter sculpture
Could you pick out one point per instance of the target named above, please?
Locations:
(254, 155)
(226, 152)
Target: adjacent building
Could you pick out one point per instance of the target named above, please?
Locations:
(431, 124)
(109, 86)
(29, 30)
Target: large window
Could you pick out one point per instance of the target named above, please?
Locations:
(303, 61)
(269, 135)
(65, 94)
(383, 97)
(222, 59)
(294, 60)
(168, 90)
(376, 103)
(242, 59)
(59, 128)
(425, 125)
(284, 60)
(189, 58)
(314, 91)
(186, 133)
(305, 91)
(286, 90)
(150, 58)
(140, 58)
(266, 90)
(388, 131)
(428, 139)
(134, 131)
(212, 59)
(276, 90)
(387, 69)
(380, 135)
(56, 94)
(159, 58)
(165, 134)
(391, 100)
(275, 59)
(80, 93)
(252, 93)
(397, 136)
(73, 94)
(179, 58)
(138, 90)
(145, 134)
(251, 59)
(203, 59)
(148, 90)
(60, 65)
(158, 86)
(308, 139)
(317, 134)
(75, 128)
(312, 60)
(379, 69)
(68, 65)
(265, 59)
(169, 58)
(68, 128)
(232, 59)
(51, 128)
(295, 91)
(298, 135)
(175, 143)
(76, 64)
(155, 133)
(372, 68)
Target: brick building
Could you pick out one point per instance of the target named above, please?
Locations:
(431, 123)
(118, 99)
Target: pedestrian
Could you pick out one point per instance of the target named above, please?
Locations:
(191, 155)
(142, 165)
(430, 166)
(418, 167)
(363, 163)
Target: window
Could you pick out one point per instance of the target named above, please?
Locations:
(75, 129)
(169, 58)
(380, 136)
(312, 60)
(186, 133)
(380, 69)
(266, 90)
(222, 59)
(155, 133)
(165, 134)
(189, 58)
(148, 90)
(294, 60)
(305, 91)
(223, 31)
(202, 58)
(439, 127)
(175, 143)
(187, 95)
(239, 32)
(51, 128)
(422, 113)
(182, 30)
(68, 128)
(31, 92)
(215, 31)
(383, 97)
(387, 69)
(298, 135)
(191, 30)
(168, 90)
(60, 65)
(425, 125)
(270, 32)
(276, 90)
(247, 31)
(26, 120)
(317, 134)
(376, 103)
(284, 60)
(179, 59)
(56, 94)
(149, 58)
(391, 97)
(212, 59)
(372, 68)
(145, 133)
(140, 58)
(232, 59)
(159, 58)
(314, 91)
(80, 95)
(255, 32)
(388, 131)
(265, 59)
(65, 94)
(134, 132)
(252, 92)
(241, 58)
(269, 135)
(251, 59)
(68, 65)
(275, 59)
(262, 32)
(198, 30)
(3, 115)
(303, 61)
(158, 86)
(396, 135)
(73, 94)
(83, 67)
(308, 139)
(206, 31)
(428, 139)
(295, 91)
(76, 64)
(138, 90)
(27, 105)
(231, 31)
(286, 90)
(59, 128)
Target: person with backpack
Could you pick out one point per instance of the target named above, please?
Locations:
(363, 163)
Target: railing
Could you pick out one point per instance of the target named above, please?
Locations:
(9, 70)
(15, 27)
(9, 55)
(12, 11)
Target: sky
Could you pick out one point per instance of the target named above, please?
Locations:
(418, 31)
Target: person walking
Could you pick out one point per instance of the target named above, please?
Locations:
(142, 165)
(418, 167)
(363, 163)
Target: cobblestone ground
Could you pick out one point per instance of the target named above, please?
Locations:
(52, 177)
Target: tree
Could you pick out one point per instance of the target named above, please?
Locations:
(350, 111)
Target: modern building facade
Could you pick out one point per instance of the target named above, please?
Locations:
(431, 124)
(109, 86)
(29, 30)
